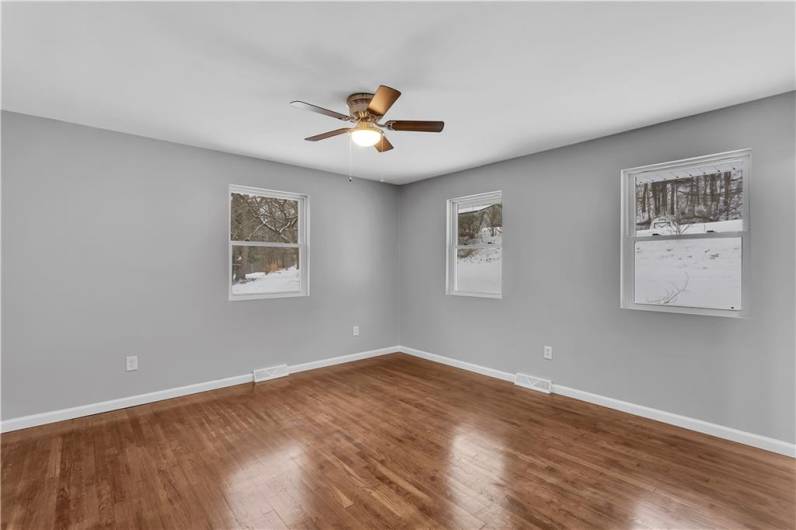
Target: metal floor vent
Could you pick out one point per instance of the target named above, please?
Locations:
(264, 374)
(534, 383)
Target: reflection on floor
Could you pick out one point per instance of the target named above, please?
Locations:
(385, 442)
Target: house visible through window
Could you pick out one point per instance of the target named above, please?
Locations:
(268, 245)
(685, 234)
(475, 240)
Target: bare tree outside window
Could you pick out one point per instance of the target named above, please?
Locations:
(684, 233)
(700, 203)
(265, 239)
(475, 246)
(256, 218)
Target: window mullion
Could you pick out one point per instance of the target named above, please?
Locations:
(704, 235)
(264, 244)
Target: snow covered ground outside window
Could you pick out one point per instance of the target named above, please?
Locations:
(690, 272)
(734, 225)
(285, 280)
(478, 270)
(687, 224)
(267, 243)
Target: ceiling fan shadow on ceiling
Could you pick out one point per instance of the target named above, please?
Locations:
(365, 111)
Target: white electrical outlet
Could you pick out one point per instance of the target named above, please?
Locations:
(548, 352)
(131, 363)
(356, 331)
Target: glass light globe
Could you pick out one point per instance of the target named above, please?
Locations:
(366, 136)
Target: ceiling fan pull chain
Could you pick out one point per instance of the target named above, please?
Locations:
(350, 160)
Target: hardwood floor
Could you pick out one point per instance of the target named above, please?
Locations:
(392, 441)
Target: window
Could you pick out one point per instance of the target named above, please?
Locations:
(685, 235)
(268, 244)
(475, 241)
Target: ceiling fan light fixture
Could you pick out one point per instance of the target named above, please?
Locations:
(365, 135)
(365, 110)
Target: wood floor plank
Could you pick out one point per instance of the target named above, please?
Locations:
(389, 442)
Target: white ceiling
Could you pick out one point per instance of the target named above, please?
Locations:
(508, 79)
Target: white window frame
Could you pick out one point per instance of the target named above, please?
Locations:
(452, 243)
(628, 237)
(303, 244)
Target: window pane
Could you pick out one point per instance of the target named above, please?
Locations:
(478, 270)
(702, 273)
(256, 218)
(482, 223)
(258, 270)
(710, 201)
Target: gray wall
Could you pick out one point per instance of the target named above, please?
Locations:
(115, 244)
(561, 276)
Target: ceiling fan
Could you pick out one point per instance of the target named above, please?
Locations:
(365, 111)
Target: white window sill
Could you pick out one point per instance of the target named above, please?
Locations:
(265, 296)
(476, 295)
(726, 313)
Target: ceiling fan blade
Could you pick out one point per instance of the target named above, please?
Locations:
(382, 100)
(320, 110)
(329, 134)
(383, 144)
(416, 126)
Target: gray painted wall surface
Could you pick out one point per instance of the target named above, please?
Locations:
(561, 276)
(115, 244)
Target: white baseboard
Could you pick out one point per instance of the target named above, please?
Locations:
(720, 431)
(456, 363)
(43, 418)
(303, 367)
(23, 422)
(686, 422)
(713, 429)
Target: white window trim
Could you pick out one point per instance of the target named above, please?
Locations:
(303, 241)
(628, 238)
(451, 245)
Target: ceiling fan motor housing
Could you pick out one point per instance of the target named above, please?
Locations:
(358, 104)
(365, 110)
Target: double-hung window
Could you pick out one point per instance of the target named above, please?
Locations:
(268, 244)
(685, 235)
(475, 245)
